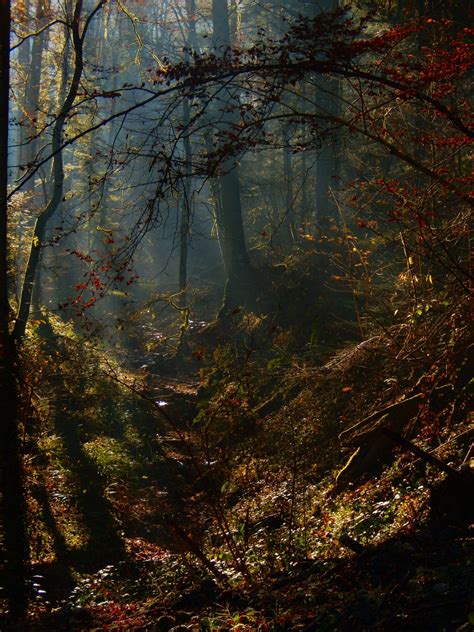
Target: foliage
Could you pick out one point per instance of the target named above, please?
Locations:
(183, 471)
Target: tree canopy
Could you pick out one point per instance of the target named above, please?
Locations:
(234, 321)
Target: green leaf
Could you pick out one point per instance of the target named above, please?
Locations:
(274, 363)
(199, 417)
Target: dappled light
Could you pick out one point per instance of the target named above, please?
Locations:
(235, 315)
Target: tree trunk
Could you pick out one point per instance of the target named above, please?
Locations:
(58, 174)
(186, 206)
(24, 61)
(327, 167)
(326, 175)
(29, 141)
(287, 220)
(13, 506)
(240, 284)
(217, 202)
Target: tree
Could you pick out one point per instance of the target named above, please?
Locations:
(240, 284)
(39, 232)
(29, 125)
(408, 114)
(11, 487)
(250, 89)
(186, 204)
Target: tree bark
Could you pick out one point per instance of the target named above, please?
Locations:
(288, 223)
(29, 130)
(240, 284)
(41, 223)
(186, 205)
(13, 505)
(327, 168)
(24, 63)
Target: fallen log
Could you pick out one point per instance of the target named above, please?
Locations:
(371, 435)
(422, 454)
(451, 500)
(394, 416)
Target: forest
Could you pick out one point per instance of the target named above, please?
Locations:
(235, 315)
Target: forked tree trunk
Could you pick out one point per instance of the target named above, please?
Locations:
(41, 223)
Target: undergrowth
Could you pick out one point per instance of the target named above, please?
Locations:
(210, 502)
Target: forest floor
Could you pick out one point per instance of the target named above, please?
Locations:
(200, 494)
